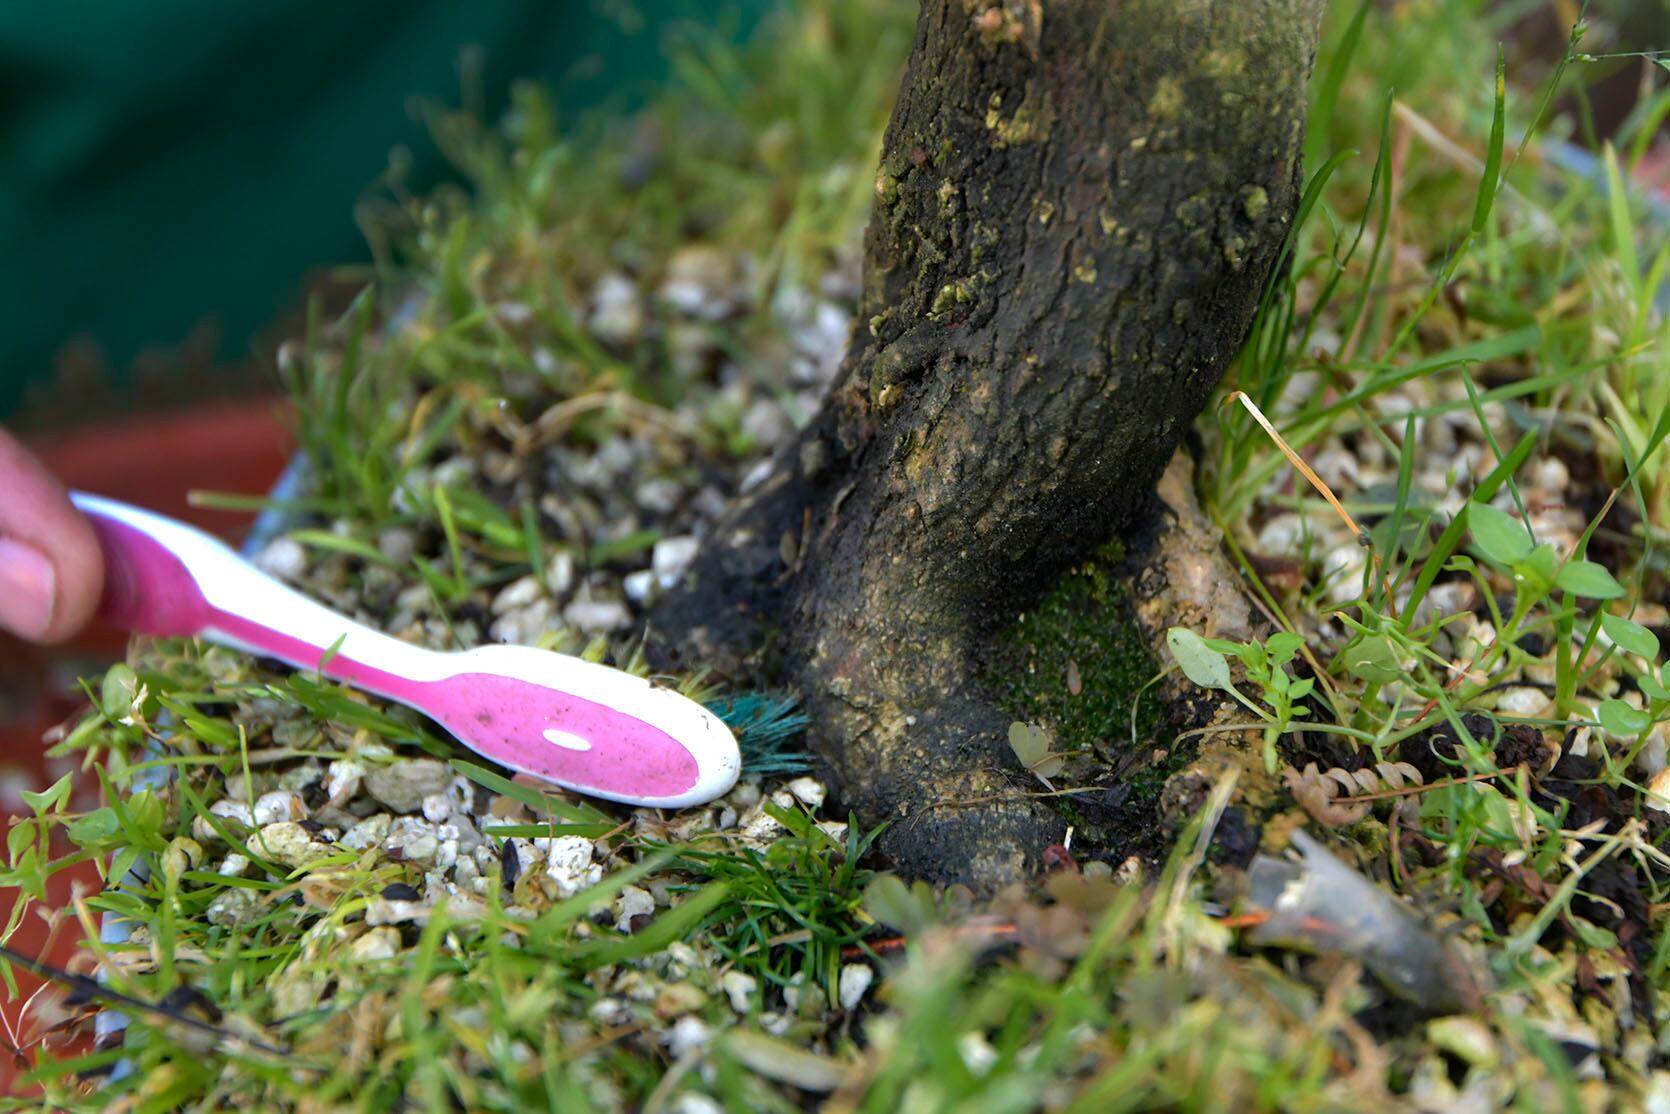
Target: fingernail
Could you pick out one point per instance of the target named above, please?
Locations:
(28, 589)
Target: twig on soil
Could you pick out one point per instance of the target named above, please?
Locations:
(1001, 930)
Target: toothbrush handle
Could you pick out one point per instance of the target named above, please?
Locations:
(165, 578)
(574, 722)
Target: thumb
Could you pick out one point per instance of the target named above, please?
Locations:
(51, 568)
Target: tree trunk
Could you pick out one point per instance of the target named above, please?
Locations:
(1078, 205)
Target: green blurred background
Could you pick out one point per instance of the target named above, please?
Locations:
(172, 170)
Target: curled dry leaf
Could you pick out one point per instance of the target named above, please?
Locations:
(1326, 794)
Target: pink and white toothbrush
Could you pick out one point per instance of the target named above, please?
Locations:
(587, 727)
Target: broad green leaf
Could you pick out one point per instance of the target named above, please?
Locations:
(1254, 657)
(123, 862)
(1024, 743)
(1496, 815)
(1629, 635)
(93, 828)
(1585, 578)
(215, 732)
(117, 693)
(1372, 658)
(1651, 689)
(20, 838)
(145, 811)
(1502, 538)
(1200, 663)
(1621, 720)
(1282, 645)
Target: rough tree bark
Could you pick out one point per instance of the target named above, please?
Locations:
(1078, 205)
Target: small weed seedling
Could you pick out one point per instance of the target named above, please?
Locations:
(1205, 661)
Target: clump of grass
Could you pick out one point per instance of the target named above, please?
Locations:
(448, 1017)
(1465, 321)
(764, 149)
(1455, 280)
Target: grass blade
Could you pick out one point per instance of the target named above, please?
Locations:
(1493, 154)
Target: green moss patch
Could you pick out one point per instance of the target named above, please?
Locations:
(1075, 664)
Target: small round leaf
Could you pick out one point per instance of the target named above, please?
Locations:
(1203, 665)
(1629, 636)
(1282, 645)
(1372, 658)
(1621, 720)
(1585, 578)
(1502, 538)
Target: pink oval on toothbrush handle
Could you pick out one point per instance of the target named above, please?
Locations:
(505, 719)
(149, 590)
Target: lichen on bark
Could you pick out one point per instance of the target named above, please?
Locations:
(1077, 207)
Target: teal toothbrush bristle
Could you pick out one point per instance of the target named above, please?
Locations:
(767, 728)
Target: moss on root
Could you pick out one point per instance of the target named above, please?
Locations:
(1081, 626)
(1082, 629)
